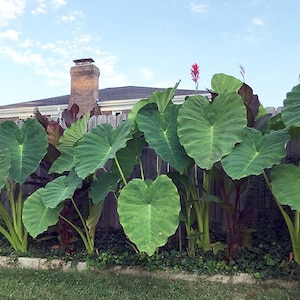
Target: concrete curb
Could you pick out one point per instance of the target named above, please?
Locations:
(40, 264)
(46, 264)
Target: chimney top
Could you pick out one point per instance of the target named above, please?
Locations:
(83, 61)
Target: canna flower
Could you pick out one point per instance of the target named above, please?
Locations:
(195, 72)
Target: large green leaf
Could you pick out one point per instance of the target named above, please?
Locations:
(4, 166)
(60, 189)
(99, 145)
(102, 186)
(209, 130)
(255, 153)
(127, 159)
(149, 212)
(221, 83)
(160, 98)
(27, 147)
(291, 110)
(285, 181)
(129, 156)
(74, 133)
(36, 216)
(161, 134)
(65, 162)
(135, 109)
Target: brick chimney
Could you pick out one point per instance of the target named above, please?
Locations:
(84, 86)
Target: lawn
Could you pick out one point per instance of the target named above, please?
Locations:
(28, 284)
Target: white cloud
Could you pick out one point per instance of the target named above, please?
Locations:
(71, 16)
(258, 21)
(9, 35)
(10, 9)
(85, 38)
(198, 7)
(43, 6)
(146, 74)
(58, 3)
(52, 60)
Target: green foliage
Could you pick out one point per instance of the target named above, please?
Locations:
(21, 152)
(160, 132)
(255, 153)
(219, 141)
(36, 216)
(290, 111)
(26, 147)
(149, 212)
(284, 176)
(99, 145)
(60, 189)
(5, 166)
(65, 145)
(222, 83)
(209, 130)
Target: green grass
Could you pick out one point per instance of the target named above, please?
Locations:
(53, 284)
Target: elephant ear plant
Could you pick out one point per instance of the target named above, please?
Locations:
(83, 154)
(209, 129)
(21, 151)
(154, 205)
(284, 181)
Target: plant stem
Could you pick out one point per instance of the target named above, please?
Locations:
(159, 165)
(120, 170)
(84, 239)
(293, 228)
(86, 230)
(141, 169)
(19, 205)
(10, 187)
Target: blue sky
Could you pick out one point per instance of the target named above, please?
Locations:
(148, 43)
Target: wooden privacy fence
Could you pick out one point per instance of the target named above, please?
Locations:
(258, 194)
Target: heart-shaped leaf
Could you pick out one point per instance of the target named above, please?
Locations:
(65, 162)
(285, 181)
(74, 133)
(221, 83)
(129, 156)
(160, 98)
(27, 147)
(291, 108)
(99, 145)
(4, 166)
(60, 189)
(102, 186)
(255, 153)
(36, 216)
(161, 134)
(149, 212)
(209, 130)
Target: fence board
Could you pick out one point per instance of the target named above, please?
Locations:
(110, 216)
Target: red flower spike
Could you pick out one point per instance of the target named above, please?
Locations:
(195, 72)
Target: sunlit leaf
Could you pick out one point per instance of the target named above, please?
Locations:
(149, 212)
(36, 216)
(255, 153)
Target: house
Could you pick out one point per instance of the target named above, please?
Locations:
(86, 94)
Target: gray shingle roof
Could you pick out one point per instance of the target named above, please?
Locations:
(107, 94)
